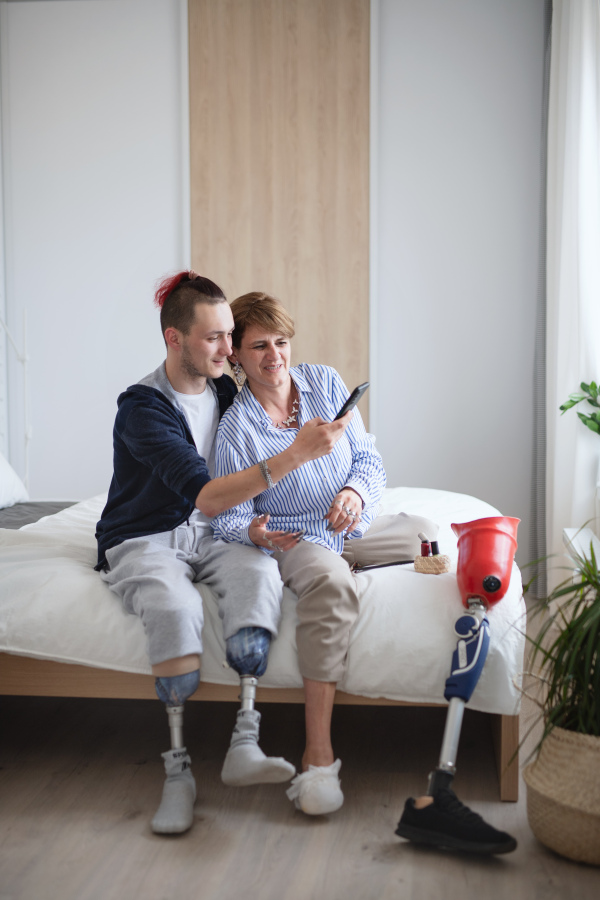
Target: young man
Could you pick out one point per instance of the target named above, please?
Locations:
(155, 539)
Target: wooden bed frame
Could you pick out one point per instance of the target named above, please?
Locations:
(27, 677)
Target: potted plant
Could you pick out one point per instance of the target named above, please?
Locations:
(563, 783)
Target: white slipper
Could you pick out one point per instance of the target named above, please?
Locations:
(317, 791)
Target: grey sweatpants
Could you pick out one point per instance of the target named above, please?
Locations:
(154, 577)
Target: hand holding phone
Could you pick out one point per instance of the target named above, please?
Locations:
(352, 400)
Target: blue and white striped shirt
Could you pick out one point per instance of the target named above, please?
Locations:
(303, 497)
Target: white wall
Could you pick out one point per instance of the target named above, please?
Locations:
(94, 149)
(96, 206)
(457, 148)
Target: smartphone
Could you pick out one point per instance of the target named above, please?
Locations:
(352, 399)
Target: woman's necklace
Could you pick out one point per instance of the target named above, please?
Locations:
(286, 423)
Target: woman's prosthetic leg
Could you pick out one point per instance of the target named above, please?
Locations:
(176, 811)
(245, 763)
(486, 549)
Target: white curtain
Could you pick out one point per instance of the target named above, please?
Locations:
(573, 263)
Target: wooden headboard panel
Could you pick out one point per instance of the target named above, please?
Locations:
(279, 134)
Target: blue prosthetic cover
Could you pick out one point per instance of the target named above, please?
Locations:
(469, 657)
(175, 689)
(248, 651)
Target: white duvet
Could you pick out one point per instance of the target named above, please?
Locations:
(53, 605)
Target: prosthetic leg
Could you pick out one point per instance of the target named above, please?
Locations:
(176, 811)
(486, 549)
(245, 763)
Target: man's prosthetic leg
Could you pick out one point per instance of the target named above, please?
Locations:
(176, 811)
(486, 549)
(245, 763)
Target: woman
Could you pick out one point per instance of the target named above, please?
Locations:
(317, 521)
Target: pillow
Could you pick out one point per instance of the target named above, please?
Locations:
(12, 489)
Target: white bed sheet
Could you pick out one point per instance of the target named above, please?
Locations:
(53, 605)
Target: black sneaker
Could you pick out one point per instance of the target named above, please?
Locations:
(448, 824)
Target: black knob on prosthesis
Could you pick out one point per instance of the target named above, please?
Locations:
(491, 584)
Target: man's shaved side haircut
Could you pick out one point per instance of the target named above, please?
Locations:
(177, 296)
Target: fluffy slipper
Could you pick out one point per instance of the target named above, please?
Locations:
(317, 791)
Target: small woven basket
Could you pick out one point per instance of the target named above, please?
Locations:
(563, 795)
(432, 565)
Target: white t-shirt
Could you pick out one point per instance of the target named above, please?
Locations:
(202, 414)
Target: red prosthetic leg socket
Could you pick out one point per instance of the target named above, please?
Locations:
(486, 550)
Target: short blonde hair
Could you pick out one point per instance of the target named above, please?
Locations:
(262, 311)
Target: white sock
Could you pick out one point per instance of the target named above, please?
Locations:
(176, 811)
(245, 762)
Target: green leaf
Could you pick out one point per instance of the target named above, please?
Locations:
(568, 405)
(591, 423)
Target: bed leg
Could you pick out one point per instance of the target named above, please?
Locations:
(505, 732)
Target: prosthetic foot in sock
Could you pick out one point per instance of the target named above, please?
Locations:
(245, 762)
(176, 811)
(175, 814)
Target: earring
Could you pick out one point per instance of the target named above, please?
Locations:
(238, 375)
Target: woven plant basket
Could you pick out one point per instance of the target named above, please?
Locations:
(563, 795)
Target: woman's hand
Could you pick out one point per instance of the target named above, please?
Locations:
(345, 511)
(272, 540)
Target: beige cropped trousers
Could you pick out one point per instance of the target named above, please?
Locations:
(327, 590)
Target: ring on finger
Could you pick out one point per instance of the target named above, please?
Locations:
(270, 543)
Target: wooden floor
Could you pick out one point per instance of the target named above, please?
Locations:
(80, 780)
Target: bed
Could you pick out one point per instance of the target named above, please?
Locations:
(63, 633)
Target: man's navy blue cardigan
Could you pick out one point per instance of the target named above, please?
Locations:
(158, 473)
